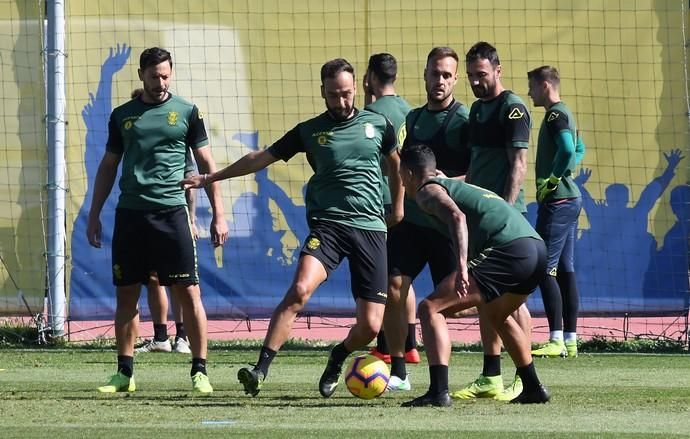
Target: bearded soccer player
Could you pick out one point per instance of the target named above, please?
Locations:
(441, 124)
(150, 135)
(344, 201)
(498, 140)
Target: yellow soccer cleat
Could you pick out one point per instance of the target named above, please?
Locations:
(119, 383)
(201, 383)
(482, 387)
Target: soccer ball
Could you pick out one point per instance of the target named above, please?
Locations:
(367, 377)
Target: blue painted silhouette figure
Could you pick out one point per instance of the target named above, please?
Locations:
(91, 267)
(666, 280)
(613, 254)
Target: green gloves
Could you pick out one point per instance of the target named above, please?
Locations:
(546, 187)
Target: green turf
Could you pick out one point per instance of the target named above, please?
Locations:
(52, 394)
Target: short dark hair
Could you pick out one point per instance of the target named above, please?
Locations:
(384, 66)
(419, 159)
(442, 52)
(335, 66)
(545, 74)
(483, 50)
(154, 56)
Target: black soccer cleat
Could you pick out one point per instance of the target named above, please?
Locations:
(251, 379)
(537, 396)
(430, 400)
(330, 378)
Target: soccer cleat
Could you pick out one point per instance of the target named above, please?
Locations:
(154, 346)
(571, 348)
(386, 358)
(119, 383)
(251, 379)
(482, 387)
(201, 384)
(182, 346)
(537, 396)
(412, 356)
(552, 349)
(510, 392)
(395, 384)
(428, 399)
(330, 378)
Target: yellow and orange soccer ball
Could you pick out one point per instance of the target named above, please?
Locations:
(367, 377)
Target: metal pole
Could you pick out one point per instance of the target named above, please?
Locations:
(55, 123)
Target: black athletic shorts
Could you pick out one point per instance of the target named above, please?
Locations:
(330, 242)
(411, 247)
(516, 267)
(154, 240)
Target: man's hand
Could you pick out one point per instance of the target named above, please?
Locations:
(194, 181)
(545, 187)
(93, 232)
(462, 281)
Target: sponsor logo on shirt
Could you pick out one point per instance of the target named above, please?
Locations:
(322, 137)
(516, 114)
(552, 117)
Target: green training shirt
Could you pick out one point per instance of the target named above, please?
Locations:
(491, 221)
(449, 148)
(345, 157)
(395, 108)
(495, 126)
(557, 119)
(153, 140)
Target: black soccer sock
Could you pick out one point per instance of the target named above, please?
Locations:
(553, 302)
(411, 340)
(125, 365)
(179, 330)
(398, 367)
(266, 357)
(160, 332)
(528, 375)
(198, 365)
(492, 365)
(571, 300)
(381, 344)
(339, 353)
(438, 376)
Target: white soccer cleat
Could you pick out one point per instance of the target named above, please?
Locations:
(154, 346)
(182, 346)
(395, 384)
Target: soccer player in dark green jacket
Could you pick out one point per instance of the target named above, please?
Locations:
(559, 150)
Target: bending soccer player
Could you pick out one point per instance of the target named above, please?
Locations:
(344, 203)
(500, 261)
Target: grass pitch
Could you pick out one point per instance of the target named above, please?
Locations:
(51, 393)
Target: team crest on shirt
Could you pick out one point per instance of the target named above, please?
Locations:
(128, 122)
(322, 137)
(172, 118)
(369, 130)
(321, 140)
(117, 272)
(313, 243)
(552, 117)
(516, 114)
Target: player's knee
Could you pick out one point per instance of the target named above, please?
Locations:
(425, 310)
(298, 295)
